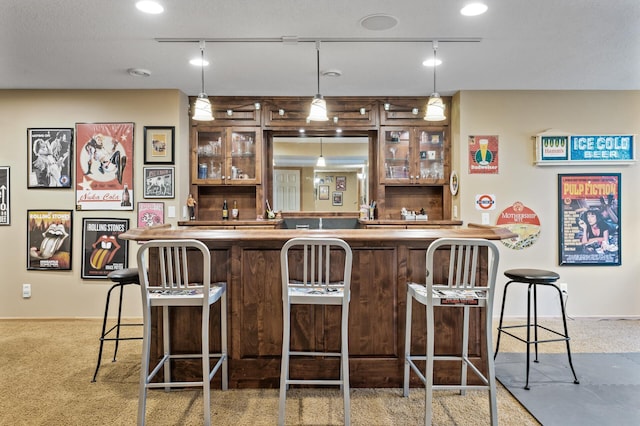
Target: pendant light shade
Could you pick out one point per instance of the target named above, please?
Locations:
(435, 106)
(202, 107)
(321, 162)
(318, 110)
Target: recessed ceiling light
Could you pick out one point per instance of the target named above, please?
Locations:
(331, 73)
(139, 72)
(199, 62)
(148, 6)
(430, 62)
(378, 22)
(474, 9)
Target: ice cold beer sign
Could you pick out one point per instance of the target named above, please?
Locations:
(585, 149)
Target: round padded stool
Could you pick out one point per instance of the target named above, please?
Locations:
(534, 278)
(121, 278)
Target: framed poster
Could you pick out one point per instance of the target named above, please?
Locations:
(49, 158)
(5, 195)
(158, 182)
(483, 154)
(150, 214)
(589, 219)
(102, 249)
(49, 239)
(159, 145)
(323, 192)
(337, 198)
(341, 183)
(104, 166)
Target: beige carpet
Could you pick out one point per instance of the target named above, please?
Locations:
(46, 368)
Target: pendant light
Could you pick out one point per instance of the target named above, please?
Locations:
(318, 110)
(435, 106)
(321, 162)
(202, 107)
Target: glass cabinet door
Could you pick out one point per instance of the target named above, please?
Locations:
(242, 154)
(431, 155)
(396, 155)
(209, 153)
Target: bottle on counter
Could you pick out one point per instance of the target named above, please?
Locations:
(235, 214)
(225, 210)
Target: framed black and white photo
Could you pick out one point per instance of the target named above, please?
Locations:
(5, 195)
(102, 249)
(49, 155)
(159, 182)
(159, 145)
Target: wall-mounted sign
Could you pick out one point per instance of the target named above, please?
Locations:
(520, 220)
(485, 202)
(483, 154)
(554, 148)
(5, 196)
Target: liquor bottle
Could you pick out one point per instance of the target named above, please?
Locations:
(225, 211)
(126, 198)
(234, 211)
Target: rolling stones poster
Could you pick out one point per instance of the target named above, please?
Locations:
(49, 239)
(102, 249)
(104, 166)
(589, 219)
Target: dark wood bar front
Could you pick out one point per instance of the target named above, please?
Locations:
(384, 260)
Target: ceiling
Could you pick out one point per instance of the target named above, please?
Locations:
(518, 45)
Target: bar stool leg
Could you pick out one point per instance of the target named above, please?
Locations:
(526, 386)
(504, 298)
(115, 352)
(104, 328)
(566, 334)
(535, 320)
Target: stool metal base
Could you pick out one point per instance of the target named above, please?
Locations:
(532, 284)
(104, 336)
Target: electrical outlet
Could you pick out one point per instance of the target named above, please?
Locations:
(486, 219)
(26, 291)
(564, 288)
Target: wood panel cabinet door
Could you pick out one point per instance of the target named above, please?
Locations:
(226, 155)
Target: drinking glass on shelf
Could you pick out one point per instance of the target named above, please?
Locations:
(393, 152)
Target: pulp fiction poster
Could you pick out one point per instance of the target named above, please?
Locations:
(104, 166)
(102, 249)
(49, 239)
(589, 219)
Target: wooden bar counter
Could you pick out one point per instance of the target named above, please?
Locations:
(384, 260)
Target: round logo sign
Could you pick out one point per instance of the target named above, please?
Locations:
(520, 220)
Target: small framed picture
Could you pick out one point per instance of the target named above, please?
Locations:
(323, 192)
(337, 198)
(159, 145)
(49, 153)
(158, 182)
(341, 183)
(49, 239)
(150, 214)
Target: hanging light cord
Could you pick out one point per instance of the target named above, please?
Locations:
(202, 63)
(318, 64)
(435, 64)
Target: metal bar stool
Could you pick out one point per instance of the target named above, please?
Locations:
(534, 278)
(122, 278)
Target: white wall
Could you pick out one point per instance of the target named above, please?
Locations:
(516, 116)
(63, 293)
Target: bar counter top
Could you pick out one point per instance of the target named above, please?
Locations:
(208, 233)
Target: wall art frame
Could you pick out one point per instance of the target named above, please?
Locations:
(102, 249)
(5, 195)
(49, 156)
(159, 144)
(49, 240)
(159, 182)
